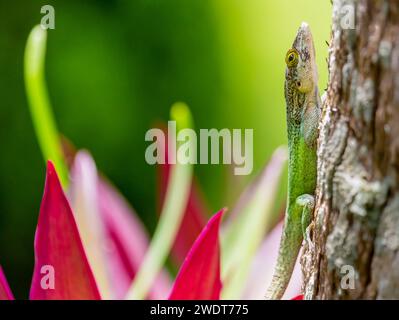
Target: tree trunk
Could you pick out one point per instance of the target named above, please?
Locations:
(353, 247)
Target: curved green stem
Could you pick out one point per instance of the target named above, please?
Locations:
(172, 213)
(39, 103)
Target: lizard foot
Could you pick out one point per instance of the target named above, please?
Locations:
(307, 202)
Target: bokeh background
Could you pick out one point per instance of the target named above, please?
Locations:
(114, 68)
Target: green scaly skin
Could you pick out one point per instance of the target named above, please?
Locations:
(303, 113)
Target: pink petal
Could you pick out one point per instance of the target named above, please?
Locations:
(127, 242)
(5, 292)
(263, 267)
(126, 239)
(83, 196)
(61, 268)
(199, 276)
(194, 218)
(299, 297)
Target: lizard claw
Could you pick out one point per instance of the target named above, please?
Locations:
(308, 238)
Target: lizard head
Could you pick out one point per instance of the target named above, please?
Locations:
(301, 73)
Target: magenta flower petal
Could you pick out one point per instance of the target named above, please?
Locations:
(299, 297)
(199, 276)
(5, 291)
(61, 268)
(194, 218)
(128, 242)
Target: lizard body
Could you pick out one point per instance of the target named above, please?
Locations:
(303, 112)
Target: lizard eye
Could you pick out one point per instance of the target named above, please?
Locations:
(291, 58)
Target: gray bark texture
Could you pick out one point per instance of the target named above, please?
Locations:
(352, 251)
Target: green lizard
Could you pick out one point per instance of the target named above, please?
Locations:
(303, 112)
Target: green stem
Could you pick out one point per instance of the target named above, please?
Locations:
(171, 216)
(39, 103)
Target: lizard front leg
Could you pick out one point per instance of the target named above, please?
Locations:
(307, 203)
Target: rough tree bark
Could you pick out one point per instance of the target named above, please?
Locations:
(356, 221)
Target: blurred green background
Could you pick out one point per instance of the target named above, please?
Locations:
(114, 68)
